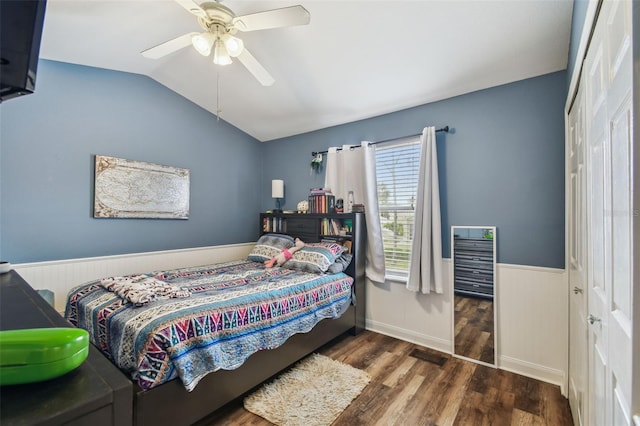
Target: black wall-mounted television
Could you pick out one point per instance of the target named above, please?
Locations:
(21, 24)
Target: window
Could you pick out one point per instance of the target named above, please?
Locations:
(397, 168)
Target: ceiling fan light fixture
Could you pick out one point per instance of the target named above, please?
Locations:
(234, 45)
(220, 24)
(220, 53)
(203, 43)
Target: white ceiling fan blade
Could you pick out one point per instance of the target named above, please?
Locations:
(285, 17)
(168, 47)
(254, 67)
(192, 7)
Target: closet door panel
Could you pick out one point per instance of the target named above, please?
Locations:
(606, 87)
(578, 369)
(609, 139)
(619, 123)
(598, 226)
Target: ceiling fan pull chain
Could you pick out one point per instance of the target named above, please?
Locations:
(218, 110)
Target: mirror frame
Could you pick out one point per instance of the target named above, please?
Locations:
(495, 296)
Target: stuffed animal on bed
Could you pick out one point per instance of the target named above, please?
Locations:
(284, 255)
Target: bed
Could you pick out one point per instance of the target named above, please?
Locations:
(205, 335)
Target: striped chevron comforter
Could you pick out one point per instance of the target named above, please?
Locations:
(231, 311)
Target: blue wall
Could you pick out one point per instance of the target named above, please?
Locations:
(503, 166)
(577, 22)
(48, 143)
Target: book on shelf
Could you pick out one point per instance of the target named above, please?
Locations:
(333, 228)
(322, 203)
(340, 239)
(274, 224)
(320, 191)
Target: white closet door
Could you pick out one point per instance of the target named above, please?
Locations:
(578, 368)
(609, 177)
(619, 101)
(598, 226)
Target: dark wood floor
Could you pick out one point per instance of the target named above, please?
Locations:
(474, 337)
(412, 385)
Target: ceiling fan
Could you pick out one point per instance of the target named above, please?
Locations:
(220, 25)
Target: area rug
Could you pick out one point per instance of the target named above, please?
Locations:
(313, 392)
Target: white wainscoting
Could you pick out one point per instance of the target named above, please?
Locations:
(532, 329)
(532, 304)
(415, 317)
(533, 325)
(60, 276)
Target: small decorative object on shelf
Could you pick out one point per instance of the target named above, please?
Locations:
(357, 208)
(303, 206)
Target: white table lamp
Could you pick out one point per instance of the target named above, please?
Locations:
(277, 192)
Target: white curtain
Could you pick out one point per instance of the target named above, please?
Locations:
(354, 170)
(425, 267)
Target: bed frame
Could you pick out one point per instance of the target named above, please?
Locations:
(170, 403)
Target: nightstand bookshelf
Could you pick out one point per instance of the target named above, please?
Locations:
(316, 227)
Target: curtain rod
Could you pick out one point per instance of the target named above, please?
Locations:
(444, 129)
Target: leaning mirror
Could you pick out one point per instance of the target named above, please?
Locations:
(474, 292)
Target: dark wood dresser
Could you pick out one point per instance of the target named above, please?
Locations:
(473, 267)
(95, 394)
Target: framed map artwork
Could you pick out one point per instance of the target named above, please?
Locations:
(134, 189)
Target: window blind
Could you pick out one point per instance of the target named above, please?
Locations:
(397, 168)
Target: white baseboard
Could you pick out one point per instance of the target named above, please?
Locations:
(532, 319)
(535, 371)
(533, 328)
(528, 369)
(409, 336)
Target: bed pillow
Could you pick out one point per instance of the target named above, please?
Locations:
(341, 263)
(270, 245)
(315, 257)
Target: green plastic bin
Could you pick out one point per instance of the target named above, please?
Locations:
(38, 354)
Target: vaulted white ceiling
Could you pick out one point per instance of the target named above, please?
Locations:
(355, 60)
